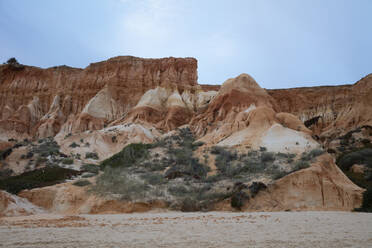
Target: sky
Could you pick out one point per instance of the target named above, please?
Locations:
(281, 43)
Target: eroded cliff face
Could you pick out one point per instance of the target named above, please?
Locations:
(39, 101)
(329, 111)
(110, 104)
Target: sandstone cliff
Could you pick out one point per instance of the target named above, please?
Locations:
(39, 101)
(93, 113)
(329, 110)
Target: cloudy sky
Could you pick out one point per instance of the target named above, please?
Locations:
(281, 43)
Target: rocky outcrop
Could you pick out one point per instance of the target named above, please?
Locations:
(244, 115)
(69, 199)
(235, 95)
(12, 205)
(323, 186)
(166, 108)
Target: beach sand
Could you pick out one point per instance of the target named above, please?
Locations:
(177, 229)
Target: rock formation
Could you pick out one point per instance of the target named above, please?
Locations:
(12, 205)
(124, 100)
(329, 110)
(27, 95)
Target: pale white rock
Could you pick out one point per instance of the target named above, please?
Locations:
(55, 104)
(204, 98)
(102, 105)
(154, 98)
(54, 109)
(189, 99)
(175, 100)
(36, 111)
(282, 139)
(250, 108)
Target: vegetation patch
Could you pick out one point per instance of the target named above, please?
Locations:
(82, 183)
(74, 145)
(115, 180)
(131, 155)
(67, 161)
(169, 170)
(367, 201)
(92, 155)
(361, 156)
(5, 153)
(91, 168)
(37, 178)
(46, 147)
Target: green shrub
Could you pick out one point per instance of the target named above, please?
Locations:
(238, 199)
(91, 155)
(184, 163)
(312, 154)
(315, 153)
(29, 155)
(367, 201)
(67, 161)
(5, 153)
(267, 157)
(115, 180)
(37, 178)
(88, 175)
(223, 159)
(156, 166)
(217, 149)
(299, 165)
(253, 166)
(256, 187)
(286, 155)
(153, 178)
(198, 143)
(131, 155)
(363, 156)
(178, 190)
(40, 160)
(74, 145)
(92, 168)
(190, 167)
(82, 183)
(190, 205)
(47, 148)
(185, 137)
(4, 173)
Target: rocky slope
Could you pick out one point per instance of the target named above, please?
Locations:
(91, 114)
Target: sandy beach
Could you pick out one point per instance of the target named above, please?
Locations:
(176, 229)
